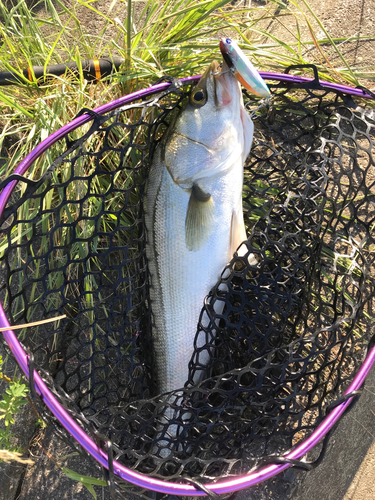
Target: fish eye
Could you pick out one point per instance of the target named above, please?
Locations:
(228, 40)
(198, 97)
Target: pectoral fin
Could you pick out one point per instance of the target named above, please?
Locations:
(199, 220)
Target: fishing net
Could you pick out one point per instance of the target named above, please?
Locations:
(293, 328)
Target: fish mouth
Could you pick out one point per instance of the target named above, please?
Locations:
(215, 69)
(217, 81)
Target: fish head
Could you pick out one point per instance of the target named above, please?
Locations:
(212, 131)
(217, 90)
(214, 104)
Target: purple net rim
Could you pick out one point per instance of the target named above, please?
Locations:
(141, 480)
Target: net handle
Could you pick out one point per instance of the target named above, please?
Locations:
(141, 480)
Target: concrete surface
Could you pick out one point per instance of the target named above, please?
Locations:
(348, 469)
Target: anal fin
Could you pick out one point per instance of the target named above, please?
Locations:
(238, 236)
(237, 231)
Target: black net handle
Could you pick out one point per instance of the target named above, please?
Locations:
(315, 83)
(309, 85)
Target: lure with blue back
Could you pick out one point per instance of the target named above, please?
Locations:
(242, 68)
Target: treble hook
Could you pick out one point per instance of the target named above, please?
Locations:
(222, 72)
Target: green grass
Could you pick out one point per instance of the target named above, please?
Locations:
(175, 37)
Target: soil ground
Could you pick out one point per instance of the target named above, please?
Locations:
(347, 471)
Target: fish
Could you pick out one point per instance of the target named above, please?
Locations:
(193, 215)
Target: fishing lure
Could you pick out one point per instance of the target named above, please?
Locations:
(242, 68)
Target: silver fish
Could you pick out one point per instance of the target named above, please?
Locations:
(193, 215)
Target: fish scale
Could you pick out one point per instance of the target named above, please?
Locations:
(195, 180)
(180, 279)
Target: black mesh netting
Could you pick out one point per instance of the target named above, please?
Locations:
(294, 327)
